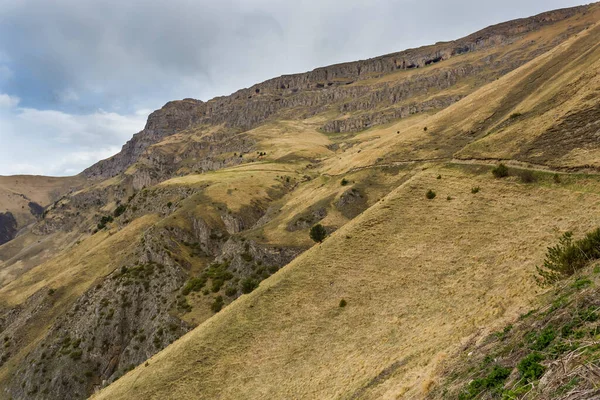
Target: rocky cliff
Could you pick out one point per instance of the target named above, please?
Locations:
(350, 87)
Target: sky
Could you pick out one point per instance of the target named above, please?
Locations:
(79, 77)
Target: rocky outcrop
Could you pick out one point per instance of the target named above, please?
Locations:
(312, 92)
(352, 202)
(307, 219)
(364, 121)
(113, 327)
(173, 117)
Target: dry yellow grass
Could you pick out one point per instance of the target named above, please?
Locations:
(419, 276)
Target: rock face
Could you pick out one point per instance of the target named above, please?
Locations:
(8, 227)
(173, 117)
(316, 91)
(113, 327)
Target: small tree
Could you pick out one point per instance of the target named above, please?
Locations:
(501, 171)
(318, 233)
(430, 194)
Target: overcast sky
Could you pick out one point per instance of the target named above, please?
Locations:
(79, 77)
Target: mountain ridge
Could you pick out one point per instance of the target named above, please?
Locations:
(201, 225)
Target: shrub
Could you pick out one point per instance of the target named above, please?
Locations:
(544, 339)
(515, 115)
(194, 285)
(500, 171)
(475, 190)
(230, 291)
(216, 285)
(248, 285)
(530, 367)
(448, 198)
(344, 182)
(318, 233)
(343, 303)
(527, 176)
(493, 381)
(430, 194)
(217, 305)
(120, 210)
(568, 256)
(105, 220)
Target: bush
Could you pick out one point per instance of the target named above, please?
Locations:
(104, 221)
(318, 233)
(430, 194)
(216, 284)
(515, 115)
(530, 367)
(231, 291)
(343, 303)
(193, 285)
(500, 171)
(568, 257)
(475, 190)
(493, 381)
(248, 285)
(544, 339)
(120, 210)
(344, 182)
(217, 305)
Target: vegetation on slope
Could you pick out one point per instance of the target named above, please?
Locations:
(407, 303)
(222, 207)
(551, 352)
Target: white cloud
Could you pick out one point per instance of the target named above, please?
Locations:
(7, 101)
(49, 142)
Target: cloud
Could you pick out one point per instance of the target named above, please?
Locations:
(63, 60)
(7, 101)
(48, 142)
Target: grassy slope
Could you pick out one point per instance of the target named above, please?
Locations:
(289, 144)
(403, 266)
(562, 331)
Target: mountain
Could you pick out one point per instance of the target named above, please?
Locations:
(182, 267)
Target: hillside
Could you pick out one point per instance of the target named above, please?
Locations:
(23, 198)
(183, 267)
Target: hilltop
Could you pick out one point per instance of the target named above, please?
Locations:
(183, 266)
